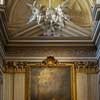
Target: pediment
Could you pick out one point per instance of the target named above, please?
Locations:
(19, 13)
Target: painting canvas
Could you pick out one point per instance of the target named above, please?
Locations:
(51, 84)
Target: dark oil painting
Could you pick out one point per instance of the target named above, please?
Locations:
(51, 84)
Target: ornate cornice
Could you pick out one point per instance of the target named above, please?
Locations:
(88, 67)
(15, 66)
(12, 67)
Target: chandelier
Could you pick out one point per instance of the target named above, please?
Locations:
(51, 18)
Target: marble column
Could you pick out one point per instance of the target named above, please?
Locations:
(14, 86)
(8, 86)
(14, 82)
(82, 87)
(87, 81)
(19, 86)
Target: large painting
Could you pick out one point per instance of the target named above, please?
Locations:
(51, 84)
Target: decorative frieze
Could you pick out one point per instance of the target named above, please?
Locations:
(12, 67)
(87, 67)
(84, 67)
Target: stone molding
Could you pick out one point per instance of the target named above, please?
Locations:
(43, 51)
(61, 53)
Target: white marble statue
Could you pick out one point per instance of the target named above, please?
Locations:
(51, 16)
(36, 15)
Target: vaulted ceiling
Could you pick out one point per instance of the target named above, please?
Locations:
(78, 28)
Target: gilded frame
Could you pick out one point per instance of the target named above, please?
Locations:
(60, 65)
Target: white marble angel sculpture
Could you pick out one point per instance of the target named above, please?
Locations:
(36, 15)
(60, 13)
(51, 15)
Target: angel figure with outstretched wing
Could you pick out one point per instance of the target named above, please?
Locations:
(35, 12)
(61, 16)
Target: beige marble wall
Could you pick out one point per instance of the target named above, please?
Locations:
(14, 86)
